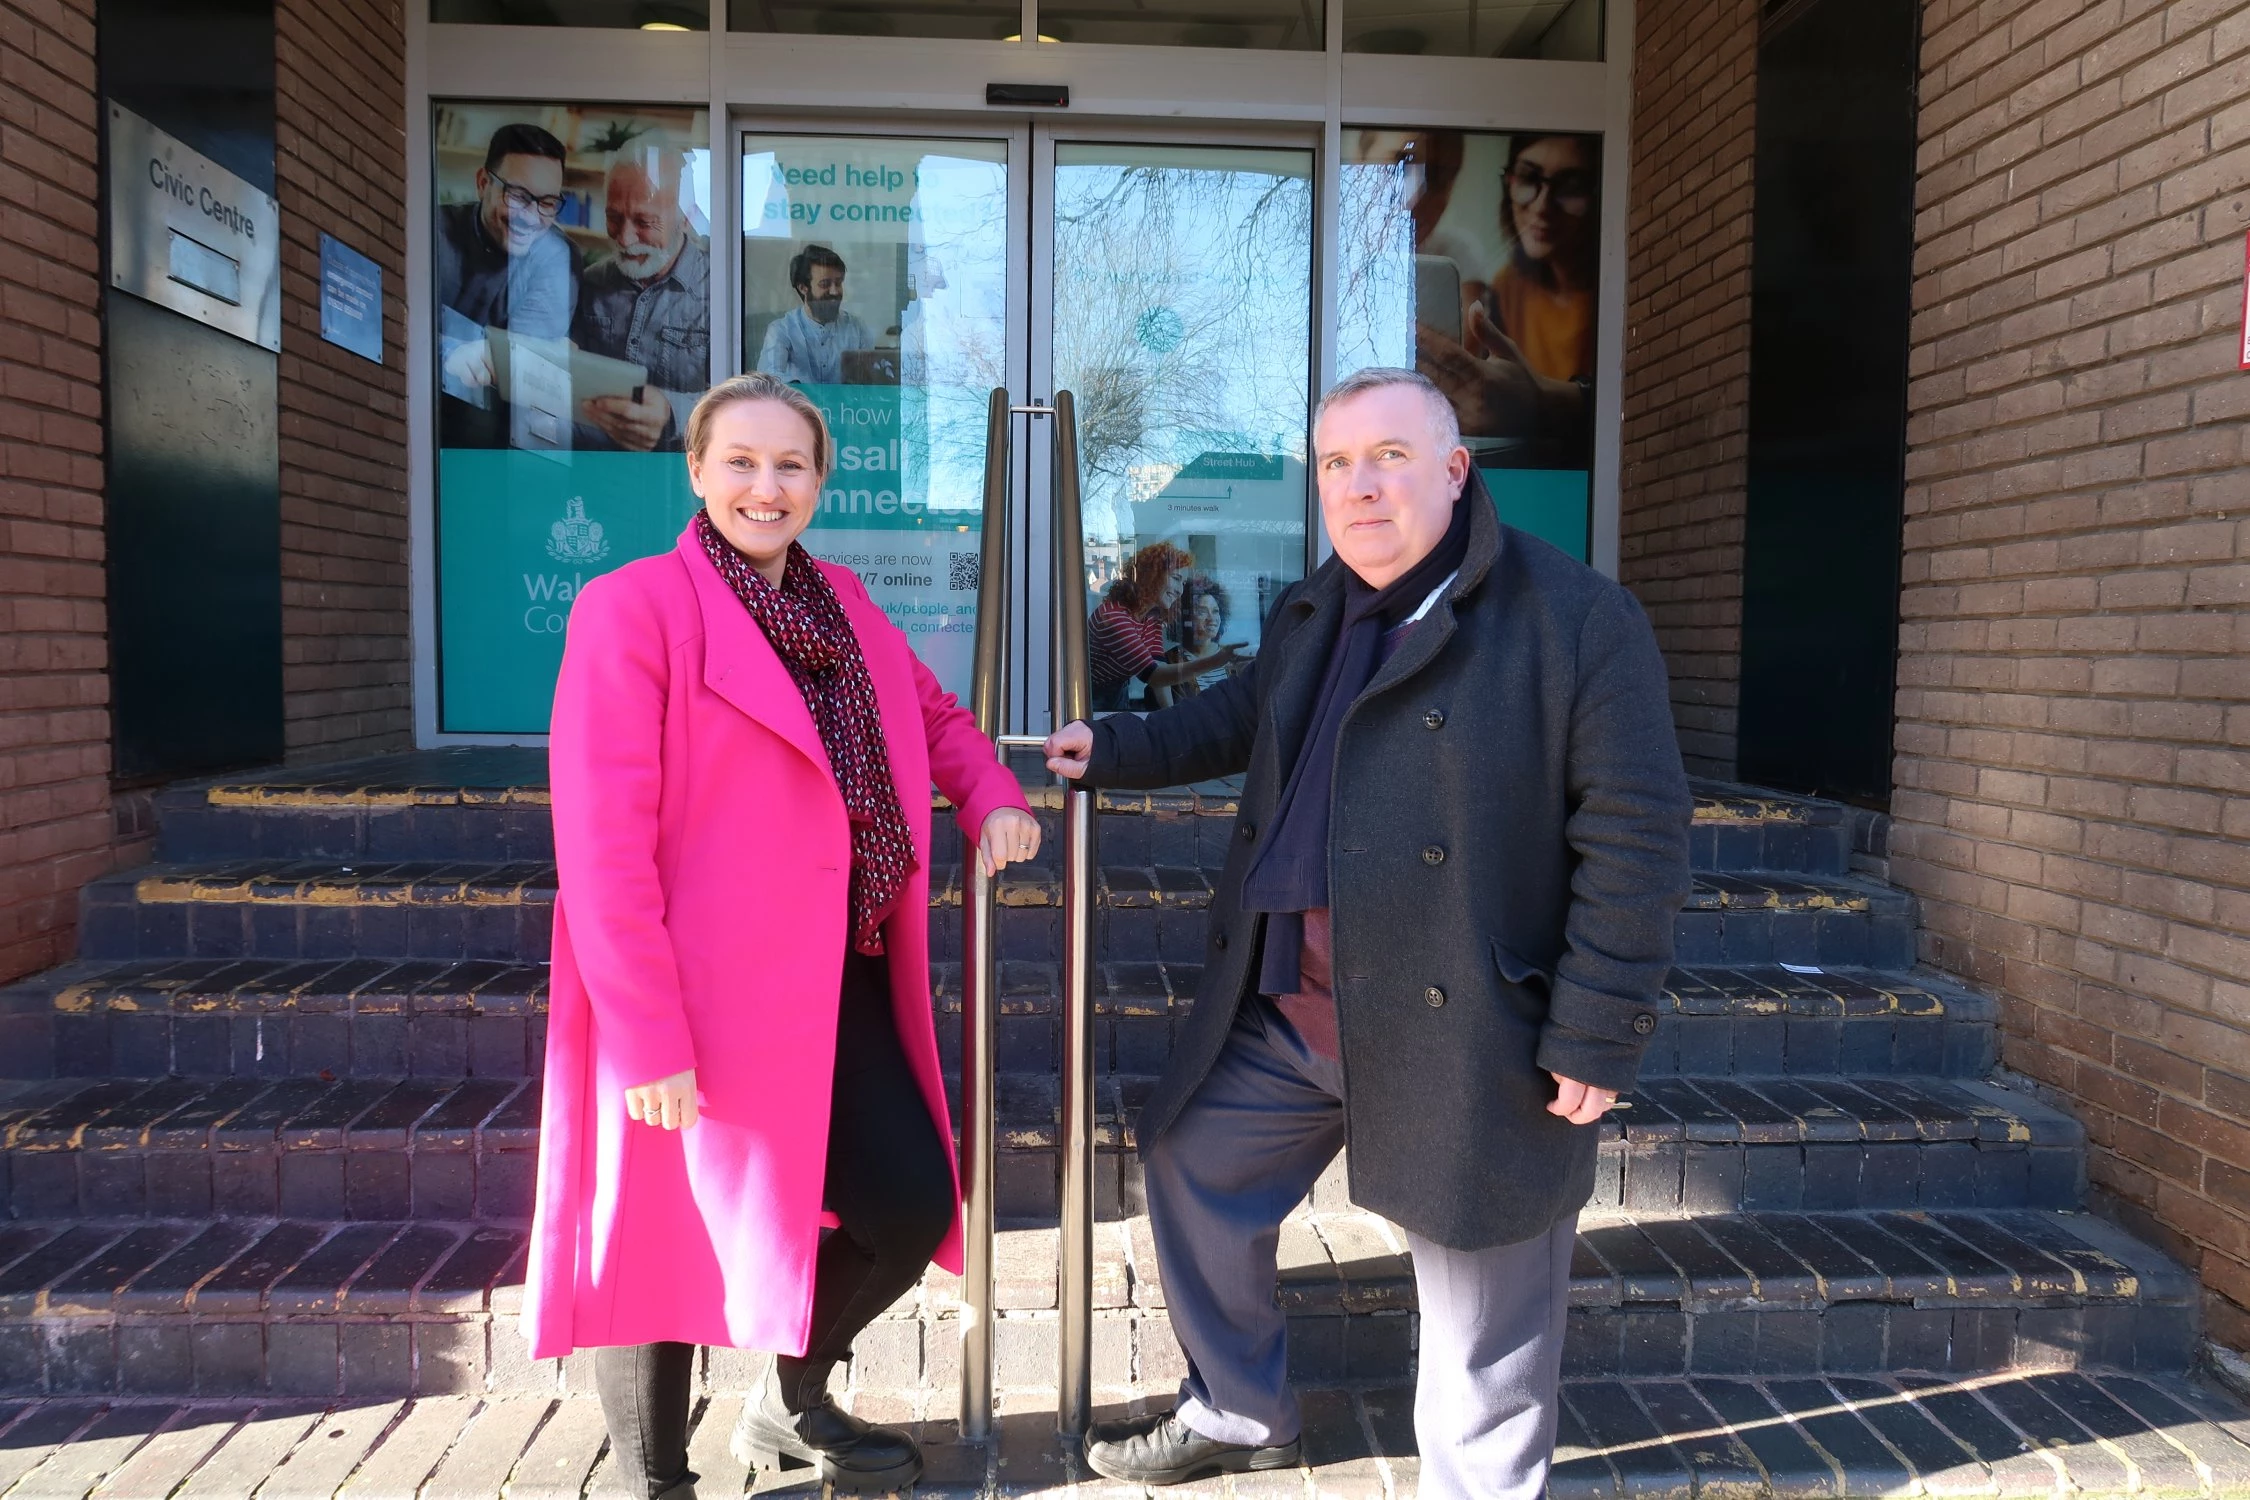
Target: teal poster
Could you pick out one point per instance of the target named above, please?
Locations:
(1551, 504)
(904, 509)
(519, 534)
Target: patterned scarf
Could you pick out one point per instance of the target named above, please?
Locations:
(805, 622)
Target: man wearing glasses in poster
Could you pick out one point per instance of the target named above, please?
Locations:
(501, 263)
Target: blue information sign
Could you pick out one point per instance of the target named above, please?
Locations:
(351, 300)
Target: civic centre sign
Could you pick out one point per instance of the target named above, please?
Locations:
(187, 234)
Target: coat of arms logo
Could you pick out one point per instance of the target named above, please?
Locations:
(574, 539)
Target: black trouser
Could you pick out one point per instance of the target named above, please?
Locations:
(890, 1183)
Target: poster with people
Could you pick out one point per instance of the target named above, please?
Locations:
(874, 277)
(571, 253)
(1475, 258)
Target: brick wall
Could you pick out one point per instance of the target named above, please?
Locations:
(1687, 351)
(55, 825)
(2073, 795)
(340, 167)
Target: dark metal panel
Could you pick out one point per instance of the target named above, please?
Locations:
(194, 545)
(1832, 261)
(194, 458)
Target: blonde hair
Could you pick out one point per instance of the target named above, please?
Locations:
(759, 386)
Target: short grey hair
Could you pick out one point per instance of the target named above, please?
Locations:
(1444, 423)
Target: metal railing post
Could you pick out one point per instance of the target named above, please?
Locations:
(1074, 700)
(980, 970)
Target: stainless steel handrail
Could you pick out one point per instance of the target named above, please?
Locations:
(1073, 687)
(980, 969)
(1074, 700)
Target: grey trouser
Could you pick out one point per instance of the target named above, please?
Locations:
(1246, 1149)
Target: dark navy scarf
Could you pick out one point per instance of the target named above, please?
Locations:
(1290, 876)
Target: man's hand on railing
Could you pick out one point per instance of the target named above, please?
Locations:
(1069, 748)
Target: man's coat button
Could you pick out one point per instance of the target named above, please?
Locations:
(1434, 855)
(1434, 719)
(1434, 996)
(1644, 1023)
(1249, 832)
(1219, 939)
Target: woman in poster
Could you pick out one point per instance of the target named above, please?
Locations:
(740, 1050)
(1203, 619)
(1524, 365)
(1125, 638)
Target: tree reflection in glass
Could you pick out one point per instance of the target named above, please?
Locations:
(1182, 324)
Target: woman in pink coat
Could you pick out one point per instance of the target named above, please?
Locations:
(739, 1047)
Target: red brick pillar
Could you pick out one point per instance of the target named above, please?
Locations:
(340, 168)
(55, 824)
(1687, 352)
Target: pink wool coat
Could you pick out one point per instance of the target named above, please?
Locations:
(703, 856)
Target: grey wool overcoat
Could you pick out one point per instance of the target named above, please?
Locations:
(1507, 851)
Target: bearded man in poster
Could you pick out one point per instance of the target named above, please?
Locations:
(648, 303)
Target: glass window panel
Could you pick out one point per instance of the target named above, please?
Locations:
(571, 251)
(1474, 257)
(1183, 326)
(1558, 30)
(1280, 25)
(875, 276)
(646, 15)
(976, 20)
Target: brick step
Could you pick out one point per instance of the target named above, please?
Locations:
(380, 1148)
(372, 1149)
(1681, 1145)
(202, 1017)
(2088, 1432)
(314, 909)
(491, 803)
(1756, 1019)
(369, 1309)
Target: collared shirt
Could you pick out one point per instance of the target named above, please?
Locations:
(532, 293)
(799, 348)
(663, 325)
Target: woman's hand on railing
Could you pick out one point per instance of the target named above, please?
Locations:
(1070, 748)
(669, 1102)
(1010, 836)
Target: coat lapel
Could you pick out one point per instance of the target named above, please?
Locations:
(740, 664)
(1296, 687)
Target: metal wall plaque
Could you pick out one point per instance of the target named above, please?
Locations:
(351, 299)
(186, 233)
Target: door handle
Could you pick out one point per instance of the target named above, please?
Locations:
(980, 989)
(980, 965)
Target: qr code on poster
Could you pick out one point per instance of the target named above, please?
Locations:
(963, 571)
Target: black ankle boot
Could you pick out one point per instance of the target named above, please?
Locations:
(851, 1454)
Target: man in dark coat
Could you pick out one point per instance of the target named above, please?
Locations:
(1462, 844)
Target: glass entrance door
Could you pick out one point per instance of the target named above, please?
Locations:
(1177, 304)
(901, 278)
(881, 274)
